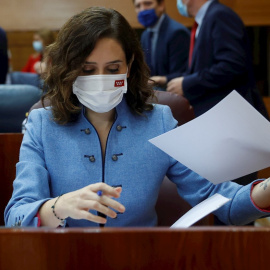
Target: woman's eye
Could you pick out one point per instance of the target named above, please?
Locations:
(88, 71)
(113, 70)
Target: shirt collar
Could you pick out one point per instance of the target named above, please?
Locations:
(202, 11)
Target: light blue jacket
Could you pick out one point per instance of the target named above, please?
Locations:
(56, 159)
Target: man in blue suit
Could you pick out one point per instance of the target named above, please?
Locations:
(3, 56)
(221, 59)
(165, 42)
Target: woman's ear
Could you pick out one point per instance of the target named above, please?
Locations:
(129, 65)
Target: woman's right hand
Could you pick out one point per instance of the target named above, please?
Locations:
(77, 205)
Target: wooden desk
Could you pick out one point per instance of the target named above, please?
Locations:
(9, 155)
(135, 248)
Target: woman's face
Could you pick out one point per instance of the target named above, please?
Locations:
(107, 58)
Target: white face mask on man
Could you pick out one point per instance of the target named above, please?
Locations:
(100, 93)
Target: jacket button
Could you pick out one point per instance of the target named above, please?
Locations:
(92, 159)
(119, 128)
(114, 157)
(87, 131)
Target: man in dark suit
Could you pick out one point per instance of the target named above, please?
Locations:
(221, 59)
(3, 56)
(165, 42)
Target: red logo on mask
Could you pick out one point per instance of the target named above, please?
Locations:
(119, 83)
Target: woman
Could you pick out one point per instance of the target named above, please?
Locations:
(41, 40)
(86, 160)
(35, 66)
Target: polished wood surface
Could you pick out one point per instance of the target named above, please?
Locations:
(34, 14)
(135, 248)
(9, 155)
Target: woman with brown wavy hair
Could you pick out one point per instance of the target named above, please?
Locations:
(75, 42)
(87, 159)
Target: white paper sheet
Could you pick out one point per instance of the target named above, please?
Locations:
(229, 141)
(200, 210)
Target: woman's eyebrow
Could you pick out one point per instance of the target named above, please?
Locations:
(111, 62)
(114, 62)
(89, 63)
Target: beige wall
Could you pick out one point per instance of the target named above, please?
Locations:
(20, 18)
(22, 15)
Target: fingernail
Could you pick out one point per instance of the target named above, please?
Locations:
(121, 208)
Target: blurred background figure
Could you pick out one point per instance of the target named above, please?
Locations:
(219, 61)
(41, 40)
(32, 70)
(165, 42)
(220, 58)
(3, 56)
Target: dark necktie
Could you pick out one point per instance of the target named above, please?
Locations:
(192, 42)
(149, 50)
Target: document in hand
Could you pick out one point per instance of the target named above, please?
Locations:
(229, 141)
(200, 210)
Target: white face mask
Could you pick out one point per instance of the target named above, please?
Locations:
(100, 93)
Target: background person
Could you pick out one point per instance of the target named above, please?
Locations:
(221, 59)
(3, 56)
(41, 39)
(87, 158)
(165, 42)
(34, 67)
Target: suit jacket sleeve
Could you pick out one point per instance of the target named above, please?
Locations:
(178, 53)
(228, 56)
(29, 193)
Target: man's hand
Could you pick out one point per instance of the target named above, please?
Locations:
(175, 86)
(158, 80)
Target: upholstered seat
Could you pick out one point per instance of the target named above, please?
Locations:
(15, 101)
(181, 109)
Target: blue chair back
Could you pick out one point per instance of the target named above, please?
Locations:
(15, 101)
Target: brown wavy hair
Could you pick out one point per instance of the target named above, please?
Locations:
(74, 42)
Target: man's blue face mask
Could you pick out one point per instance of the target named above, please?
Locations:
(147, 17)
(182, 8)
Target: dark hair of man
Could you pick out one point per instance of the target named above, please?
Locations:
(75, 41)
